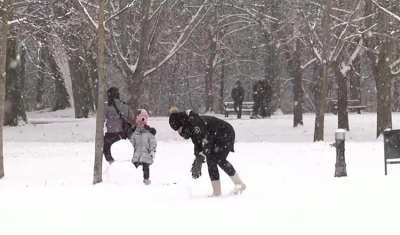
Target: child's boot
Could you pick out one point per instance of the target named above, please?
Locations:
(146, 181)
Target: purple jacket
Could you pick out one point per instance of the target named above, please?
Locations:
(112, 118)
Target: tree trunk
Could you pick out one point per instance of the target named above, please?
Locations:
(298, 92)
(396, 96)
(343, 117)
(83, 102)
(222, 84)
(380, 65)
(61, 93)
(383, 88)
(21, 84)
(43, 55)
(98, 161)
(209, 74)
(272, 62)
(355, 79)
(14, 103)
(94, 76)
(124, 22)
(3, 59)
(135, 80)
(321, 86)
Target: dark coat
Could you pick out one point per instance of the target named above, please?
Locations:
(262, 91)
(209, 134)
(238, 94)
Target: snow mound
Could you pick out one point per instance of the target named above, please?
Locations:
(122, 150)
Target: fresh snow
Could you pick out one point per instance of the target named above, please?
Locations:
(291, 186)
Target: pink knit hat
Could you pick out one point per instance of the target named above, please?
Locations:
(141, 119)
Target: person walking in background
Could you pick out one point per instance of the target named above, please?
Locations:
(262, 96)
(237, 95)
(266, 94)
(256, 98)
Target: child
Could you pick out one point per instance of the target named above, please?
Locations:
(145, 145)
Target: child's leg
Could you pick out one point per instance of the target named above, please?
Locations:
(146, 171)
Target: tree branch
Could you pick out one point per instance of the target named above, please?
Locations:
(182, 40)
(340, 44)
(120, 12)
(386, 11)
(87, 15)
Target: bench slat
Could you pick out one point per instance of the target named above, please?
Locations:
(356, 107)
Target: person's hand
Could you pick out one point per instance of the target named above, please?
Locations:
(197, 164)
(153, 154)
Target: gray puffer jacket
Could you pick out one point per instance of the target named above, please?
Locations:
(113, 120)
(144, 143)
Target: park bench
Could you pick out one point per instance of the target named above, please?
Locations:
(391, 147)
(352, 106)
(247, 107)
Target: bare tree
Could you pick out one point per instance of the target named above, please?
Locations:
(379, 42)
(321, 86)
(3, 58)
(98, 162)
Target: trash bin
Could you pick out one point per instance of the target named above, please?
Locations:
(391, 143)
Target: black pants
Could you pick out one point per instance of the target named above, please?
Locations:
(145, 168)
(109, 139)
(256, 107)
(219, 159)
(235, 105)
(266, 108)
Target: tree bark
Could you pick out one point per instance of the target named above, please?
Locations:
(209, 74)
(396, 96)
(355, 79)
(321, 85)
(380, 65)
(298, 92)
(343, 117)
(135, 80)
(43, 55)
(83, 102)
(383, 87)
(61, 93)
(14, 102)
(98, 161)
(222, 84)
(3, 59)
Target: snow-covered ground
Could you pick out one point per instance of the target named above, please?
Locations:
(291, 189)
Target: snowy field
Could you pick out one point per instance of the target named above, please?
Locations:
(291, 189)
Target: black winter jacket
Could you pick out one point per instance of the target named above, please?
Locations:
(209, 134)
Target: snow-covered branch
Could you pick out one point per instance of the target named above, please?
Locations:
(185, 35)
(87, 15)
(251, 12)
(393, 65)
(340, 44)
(386, 11)
(121, 11)
(308, 63)
(124, 63)
(345, 67)
(157, 10)
(333, 8)
(11, 22)
(237, 30)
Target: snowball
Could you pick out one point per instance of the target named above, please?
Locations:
(122, 150)
(122, 173)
